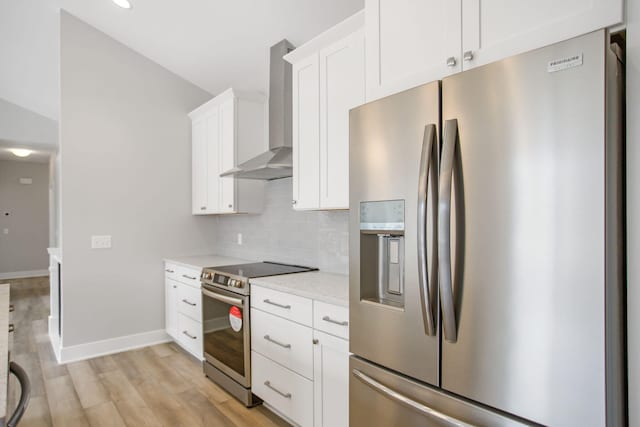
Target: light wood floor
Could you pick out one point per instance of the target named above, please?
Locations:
(154, 386)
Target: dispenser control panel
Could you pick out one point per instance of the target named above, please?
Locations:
(385, 215)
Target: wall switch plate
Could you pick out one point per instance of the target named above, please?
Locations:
(239, 238)
(100, 242)
(26, 181)
(5, 231)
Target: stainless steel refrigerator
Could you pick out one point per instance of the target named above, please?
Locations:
(486, 246)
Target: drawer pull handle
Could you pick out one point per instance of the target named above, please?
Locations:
(268, 338)
(192, 304)
(188, 277)
(285, 395)
(168, 270)
(11, 327)
(12, 308)
(335, 322)
(286, 307)
(189, 335)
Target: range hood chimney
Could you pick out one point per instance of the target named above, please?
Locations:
(278, 161)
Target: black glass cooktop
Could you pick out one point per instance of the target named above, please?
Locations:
(261, 269)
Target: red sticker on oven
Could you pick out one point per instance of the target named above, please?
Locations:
(235, 318)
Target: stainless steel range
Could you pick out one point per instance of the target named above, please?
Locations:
(226, 323)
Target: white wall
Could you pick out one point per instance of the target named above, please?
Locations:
(25, 247)
(125, 171)
(633, 207)
(54, 200)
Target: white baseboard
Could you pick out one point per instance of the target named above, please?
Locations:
(54, 337)
(93, 349)
(24, 274)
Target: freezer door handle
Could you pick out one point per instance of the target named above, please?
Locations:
(410, 403)
(428, 146)
(450, 135)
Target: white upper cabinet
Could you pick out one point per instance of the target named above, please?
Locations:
(306, 133)
(410, 42)
(226, 131)
(199, 194)
(227, 155)
(212, 163)
(328, 80)
(496, 29)
(342, 88)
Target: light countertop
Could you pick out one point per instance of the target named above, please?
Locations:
(326, 287)
(199, 262)
(55, 253)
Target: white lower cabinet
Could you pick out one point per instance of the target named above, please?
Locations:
(171, 307)
(287, 392)
(190, 334)
(330, 380)
(286, 342)
(183, 308)
(297, 368)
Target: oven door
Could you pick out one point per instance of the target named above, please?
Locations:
(226, 333)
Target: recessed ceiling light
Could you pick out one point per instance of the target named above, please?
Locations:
(21, 152)
(125, 4)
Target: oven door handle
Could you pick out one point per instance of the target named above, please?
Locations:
(229, 300)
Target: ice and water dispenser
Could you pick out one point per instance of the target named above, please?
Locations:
(382, 252)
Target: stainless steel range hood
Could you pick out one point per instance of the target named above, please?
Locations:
(278, 161)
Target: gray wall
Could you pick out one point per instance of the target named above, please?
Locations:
(633, 206)
(125, 171)
(25, 247)
(318, 239)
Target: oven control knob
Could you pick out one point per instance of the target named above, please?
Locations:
(240, 284)
(209, 276)
(232, 282)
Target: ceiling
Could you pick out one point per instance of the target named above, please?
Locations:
(29, 46)
(215, 44)
(39, 154)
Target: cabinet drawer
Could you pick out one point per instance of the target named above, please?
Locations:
(284, 342)
(286, 391)
(188, 276)
(332, 319)
(190, 302)
(281, 304)
(190, 335)
(170, 271)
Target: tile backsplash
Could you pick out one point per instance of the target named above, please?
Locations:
(314, 238)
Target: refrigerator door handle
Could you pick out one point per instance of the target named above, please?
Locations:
(450, 135)
(404, 400)
(428, 146)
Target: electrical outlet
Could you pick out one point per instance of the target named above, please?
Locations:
(100, 242)
(239, 238)
(5, 231)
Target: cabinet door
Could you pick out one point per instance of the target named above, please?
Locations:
(212, 160)
(410, 42)
(171, 307)
(496, 29)
(199, 167)
(306, 134)
(342, 87)
(227, 155)
(330, 381)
